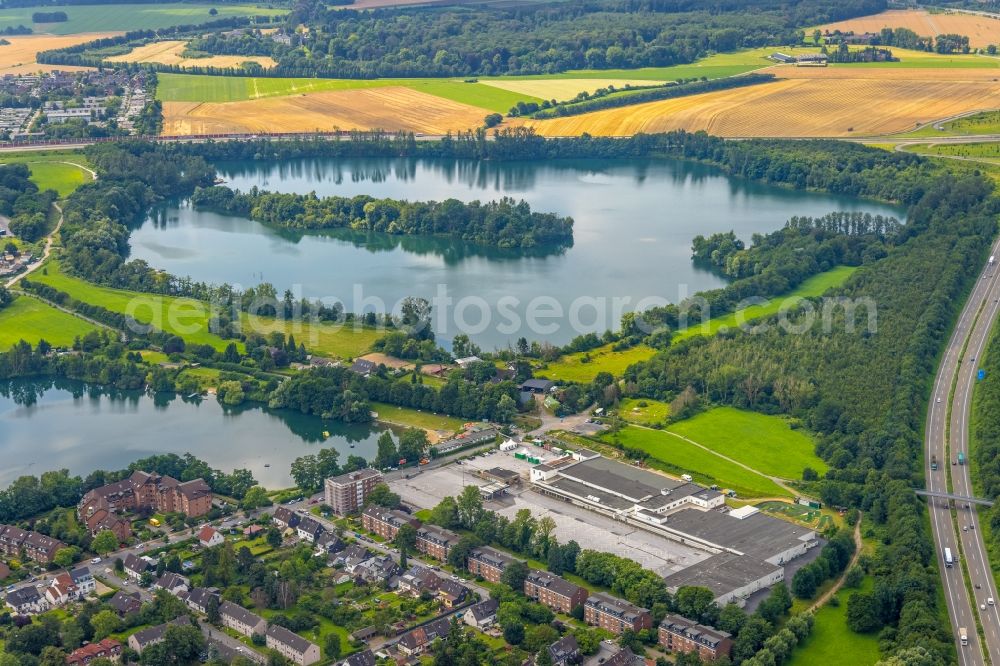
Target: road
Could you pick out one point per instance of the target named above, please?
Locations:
(959, 366)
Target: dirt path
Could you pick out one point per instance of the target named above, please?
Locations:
(45, 254)
(858, 545)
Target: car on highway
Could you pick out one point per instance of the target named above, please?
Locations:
(939, 399)
(989, 600)
(965, 528)
(982, 607)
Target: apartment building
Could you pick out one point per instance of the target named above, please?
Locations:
(488, 563)
(614, 614)
(240, 619)
(291, 646)
(346, 493)
(553, 591)
(386, 522)
(679, 634)
(436, 542)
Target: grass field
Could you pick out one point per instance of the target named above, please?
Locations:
(415, 419)
(677, 456)
(987, 122)
(30, 319)
(981, 30)
(170, 52)
(189, 318)
(987, 151)
(125, 17)
(577, 368)
(220, 89)
(49, 170)
(633, 411)
(766, 443)
(831, 642)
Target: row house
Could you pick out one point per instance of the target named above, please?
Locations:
(285, 518)
(199, 598)
(106, 648)
(436, 542)
(679, 634)
(386, 522)
(309, 529)
(489, 563)
(173, 583)
(553, 591)
(35, 546)
(291, 646)
(143, 638)
(240, 619)
(452, 593)
(27, 601)
(125, 603)
(614, 614)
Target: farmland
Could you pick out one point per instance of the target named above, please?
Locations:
(189, 318)
(171, 53)
(31, 320)
(392, 108)
(18, 57)
(125, 17)
(766, 443)
(981, 30)
(675, 455)
(807, 105)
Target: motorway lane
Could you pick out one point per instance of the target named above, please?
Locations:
(962, 609)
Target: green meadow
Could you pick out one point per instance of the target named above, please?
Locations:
(125, 17)
(32, 320)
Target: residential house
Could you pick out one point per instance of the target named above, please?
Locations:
(436, 542)
(415, 641)
(679, 634)
(198, 598)
(125, 603)
(553, 591)
(363, 658)
(329, 543)
(62, 590)
(143, 638)
(4, 571)
(240, 619)
(107, 648)
(84, 580)
(386, 522)
(285, 518)
(417, 580)
(309, 529)
(625, 657)
(291, 646)
(135, 566)
(173, 583)
(209, 536)
(364, 367)
(565, 651)
(351, 556)
(482, 615)
(488, 563)
(452, 593)
(26, 601)
(376, 569)
(614, 614)
(346, 493)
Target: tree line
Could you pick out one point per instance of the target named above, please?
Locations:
(504, 223)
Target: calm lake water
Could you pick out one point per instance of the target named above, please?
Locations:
(47, 425)
(634, 222)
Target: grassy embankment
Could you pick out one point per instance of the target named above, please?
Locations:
(125, 17)
(31, 320)
(189, 318)
(584, 366)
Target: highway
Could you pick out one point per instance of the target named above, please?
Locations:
(959, 365)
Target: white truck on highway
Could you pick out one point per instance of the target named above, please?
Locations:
(992, 259)
(948, 561)
(963, 636)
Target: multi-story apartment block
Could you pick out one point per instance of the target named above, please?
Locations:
(436, 542)
(291, 646)
(35, 546)
(679, 634)
(240, 619)
(488, 563)
(614, 614)
(557, 593)
(346, 493)
(386, 522)
(150, 492)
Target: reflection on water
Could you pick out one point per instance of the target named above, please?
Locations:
(52, 424)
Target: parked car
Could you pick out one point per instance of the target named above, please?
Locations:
(96, 560)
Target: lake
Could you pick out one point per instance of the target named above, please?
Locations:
(47, 425)
(634, 222)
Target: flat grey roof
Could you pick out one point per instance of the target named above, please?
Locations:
(722, 573)
(626, 480)
(758, 536)
(582, 491)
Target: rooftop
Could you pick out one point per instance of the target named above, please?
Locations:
(722, 573)
(759, 536)
(285, 637)
(627, 481)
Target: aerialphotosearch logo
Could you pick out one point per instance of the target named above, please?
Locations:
(543, 317)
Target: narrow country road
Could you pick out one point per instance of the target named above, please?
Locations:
(49, 240)
(858, 545)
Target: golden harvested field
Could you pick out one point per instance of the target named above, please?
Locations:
(390, 108)
(981, 30)
(866, 103)
(18, 57)
(169, 53)
(561, 89)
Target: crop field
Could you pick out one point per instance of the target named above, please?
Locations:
(680, 457)
(189, 318)
(125, 17)
(766, 443)
(870, 103)
(18, 57)
(171, 53)
(204, 88)
(561, 89)
(32, 320)
(376, 108)
(981, 30)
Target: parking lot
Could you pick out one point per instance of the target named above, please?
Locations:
(589, 529)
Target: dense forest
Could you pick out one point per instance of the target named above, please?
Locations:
(484, 39)
(23, 203)
(504, 223)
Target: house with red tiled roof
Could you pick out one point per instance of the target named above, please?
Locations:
(107, 648)
(209, 536)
